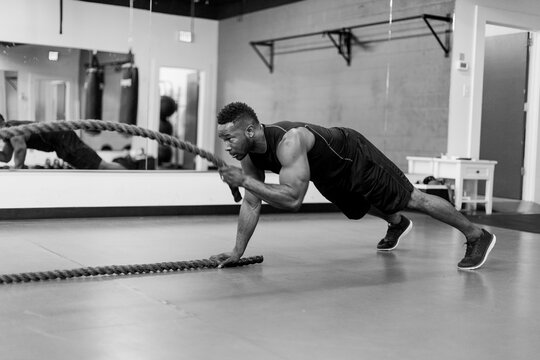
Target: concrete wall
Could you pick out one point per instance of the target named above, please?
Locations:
(407, 117)
(465, 108)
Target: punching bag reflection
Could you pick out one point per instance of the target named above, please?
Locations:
(93, 90)
(129, 91)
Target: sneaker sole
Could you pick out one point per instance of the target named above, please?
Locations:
(485, 256)
(407, 230)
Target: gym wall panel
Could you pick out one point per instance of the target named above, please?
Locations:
(317, 86)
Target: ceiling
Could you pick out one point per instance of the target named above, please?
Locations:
(207, 9)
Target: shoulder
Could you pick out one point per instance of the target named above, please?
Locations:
(298, 136)
(296, 142)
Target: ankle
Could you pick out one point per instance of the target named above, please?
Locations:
(474, 235)
(395, 220)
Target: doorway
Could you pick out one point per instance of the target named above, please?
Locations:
(182, 87)
(51, 99)
(506, 65)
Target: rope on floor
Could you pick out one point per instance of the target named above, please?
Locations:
(102, 125)
(122, 270)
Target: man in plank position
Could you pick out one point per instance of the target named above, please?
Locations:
(343, 165)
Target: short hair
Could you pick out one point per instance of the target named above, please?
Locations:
(236, 111)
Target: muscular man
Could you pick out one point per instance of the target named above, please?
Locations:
(346, 169)
(67, 145)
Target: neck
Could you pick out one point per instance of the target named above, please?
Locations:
(259, 141)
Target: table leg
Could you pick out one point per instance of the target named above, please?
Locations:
(489, 196)
(458, 193)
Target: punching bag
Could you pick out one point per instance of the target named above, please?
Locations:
(93, 90)
(129, 93)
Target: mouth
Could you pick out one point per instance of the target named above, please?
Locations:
(236, 156)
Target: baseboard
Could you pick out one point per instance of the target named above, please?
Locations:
(136, 211)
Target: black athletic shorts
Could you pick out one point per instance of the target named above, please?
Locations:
(68, 146)
(373, 180)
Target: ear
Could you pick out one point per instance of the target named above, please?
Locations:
(250, 131)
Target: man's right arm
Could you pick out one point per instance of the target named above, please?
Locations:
(248, 217)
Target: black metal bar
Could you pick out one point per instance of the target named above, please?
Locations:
(344, 44)
(437, 17)
(445, 49)
(348, 37)
(269, 63)
(291, 37)
(336, 44)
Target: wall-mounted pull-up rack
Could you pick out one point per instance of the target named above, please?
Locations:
(342, 38)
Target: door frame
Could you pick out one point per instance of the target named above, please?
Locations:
(529, 23)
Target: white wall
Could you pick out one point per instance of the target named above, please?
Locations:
(465, 106)
(57, 188)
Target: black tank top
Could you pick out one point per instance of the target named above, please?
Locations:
(329, 160)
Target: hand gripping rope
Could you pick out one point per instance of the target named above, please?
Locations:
(101, 125)
(122, 270)
(163, 139)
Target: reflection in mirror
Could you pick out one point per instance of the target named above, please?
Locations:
(179, 90)
(102, 98)
(45, 83)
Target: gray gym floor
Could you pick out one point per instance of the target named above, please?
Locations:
(322, 292)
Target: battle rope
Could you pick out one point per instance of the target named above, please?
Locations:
(122, 270)
(102, 125)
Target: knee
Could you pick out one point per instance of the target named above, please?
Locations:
(418, 200)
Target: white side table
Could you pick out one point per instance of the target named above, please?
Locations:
(460, 171)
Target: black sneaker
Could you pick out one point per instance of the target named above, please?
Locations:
(394, 234)
(477, 251)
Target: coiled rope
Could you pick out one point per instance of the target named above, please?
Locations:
(122, 270)
(102, 125)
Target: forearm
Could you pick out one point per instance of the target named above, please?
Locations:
(277, 195)
(247, 222)
(19, 155)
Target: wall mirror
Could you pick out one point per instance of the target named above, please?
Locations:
(88, 75)
(46, 83)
